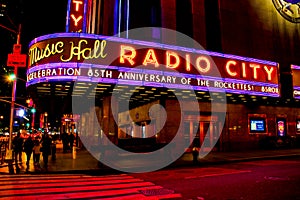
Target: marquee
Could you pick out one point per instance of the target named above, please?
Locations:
(105, 59)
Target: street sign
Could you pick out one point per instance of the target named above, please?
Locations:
(17, 48)
(16, 60)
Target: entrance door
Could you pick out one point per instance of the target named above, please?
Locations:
(208, 135)
(206, 129)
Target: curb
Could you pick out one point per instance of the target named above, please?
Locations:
(232, 160)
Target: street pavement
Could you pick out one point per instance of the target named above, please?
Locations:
(81, 176)
(84, 162)
(66, 186)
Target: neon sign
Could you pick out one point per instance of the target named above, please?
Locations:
(296, 81)
(202, 63)
(111, 59)
(120, 75)
(76, 16)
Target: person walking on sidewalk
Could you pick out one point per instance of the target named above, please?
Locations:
(46, 149)
(195, 150)
(64, 138)
(53, 149)
(28, 148)
(71, 141)
(37, 153)
(17, 143)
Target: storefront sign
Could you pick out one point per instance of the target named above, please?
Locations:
(75, 18)
(98, 57)
(297, 126)
(281, 126)
(257, 123)
(296, 81)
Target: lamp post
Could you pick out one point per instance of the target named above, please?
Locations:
(16, 60)
(9, 154)
(46, 121)
(32, 110)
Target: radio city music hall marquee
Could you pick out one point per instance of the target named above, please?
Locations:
(103, 59)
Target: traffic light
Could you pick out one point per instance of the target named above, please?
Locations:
(30, 102)
(32, 110)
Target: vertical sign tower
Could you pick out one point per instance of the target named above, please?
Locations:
(76, 16)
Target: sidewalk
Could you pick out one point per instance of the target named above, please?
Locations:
(226, 157)
(84, 162)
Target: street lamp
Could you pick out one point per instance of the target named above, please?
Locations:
(16, 50)
(11, 77)
(9, 153)
(32, 110)
(30, 105)
(16, 59)
(46, 121)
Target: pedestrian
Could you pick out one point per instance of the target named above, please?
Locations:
(71, 141)
(195, 155)
(28, 148)
(36, 153)
(46, 149)
(53, 149)
(17, 150)
(64, 138)
(195, 150)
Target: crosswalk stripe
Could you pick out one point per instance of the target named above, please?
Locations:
(112, 187)
(127, 197)
(54, 177)
(48, 184)
(71, 188)
(40, 180)
(131, 197)
(90, 194)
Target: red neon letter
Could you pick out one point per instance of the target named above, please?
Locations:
(188, 62)
(255, 67)
(129, 57)
(77, 4)
(76, 20)
(168, 60)
(207, 63)
(228, 64)
(269, 72)
(244, 70)
(151, 58)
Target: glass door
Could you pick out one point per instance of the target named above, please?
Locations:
(208, 132)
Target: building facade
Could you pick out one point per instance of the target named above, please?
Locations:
(218, 74)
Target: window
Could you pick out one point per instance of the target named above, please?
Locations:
(257, 125)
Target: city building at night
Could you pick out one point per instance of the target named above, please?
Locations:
(136, 68)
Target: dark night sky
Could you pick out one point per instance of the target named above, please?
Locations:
(37, 18)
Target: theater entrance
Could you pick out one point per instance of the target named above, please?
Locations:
(207, 132)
